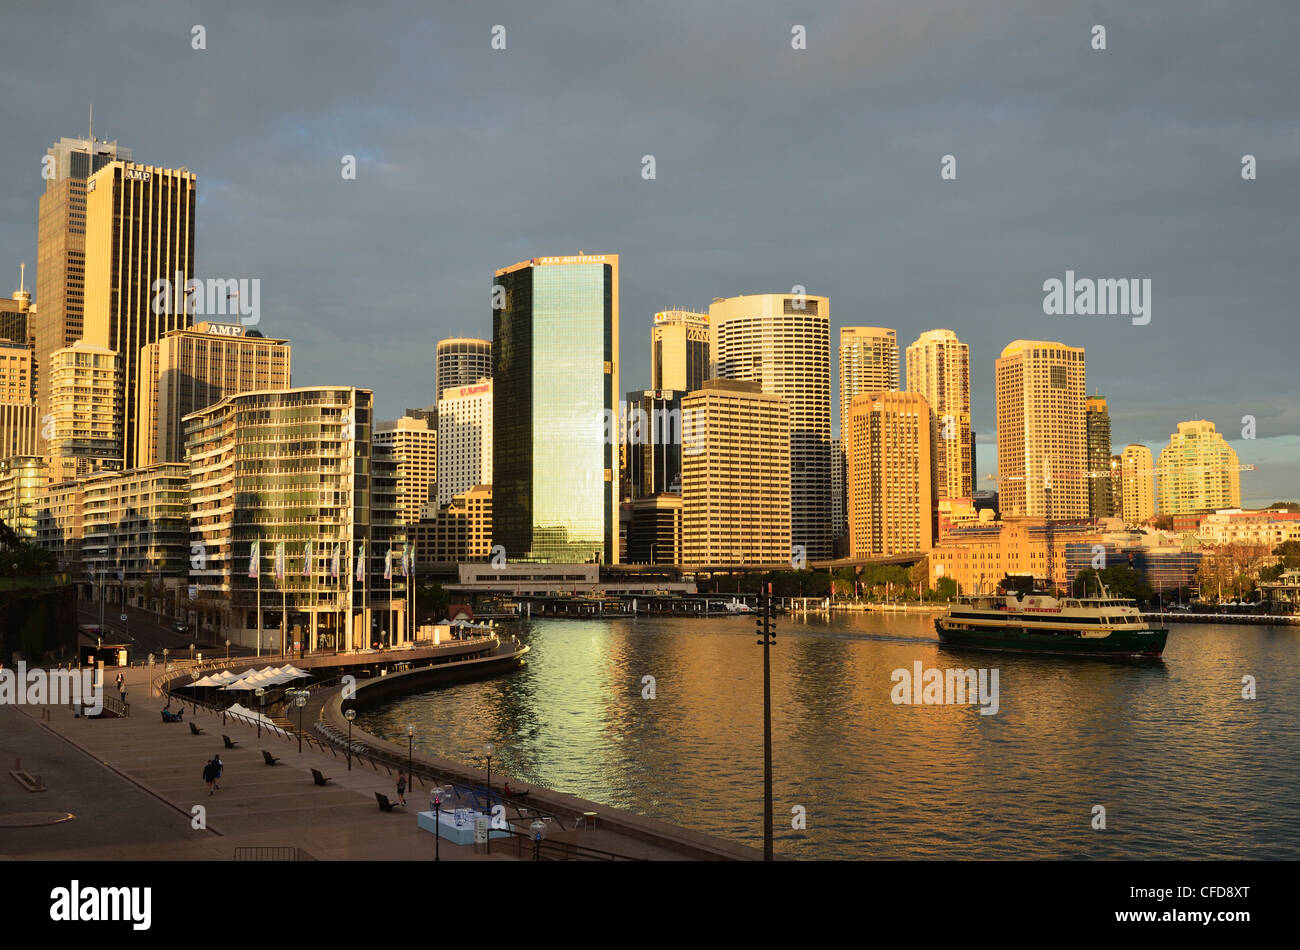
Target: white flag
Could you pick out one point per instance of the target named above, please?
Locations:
(361, 561)
(334, 564)
(306, 560)
(255, 559)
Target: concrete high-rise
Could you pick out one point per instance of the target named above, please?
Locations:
(1198, 471)
(782, 342)
(736, 452)
(1042, 440)
(460, 361)
(891, 492)
(413, 444)
(1138, 503)
(464, 439)
(555, 470)
(84, 424)
(139, 230)
(938, 368)
(187, 370)
(61, 246)
(868, 364)
(679, 350)
(1097, 419)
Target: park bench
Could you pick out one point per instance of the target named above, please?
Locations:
(270, 759)
(319, 779)
(195, 730)
(230, 743)
(384, 803)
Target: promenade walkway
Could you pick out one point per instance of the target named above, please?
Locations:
(133, 784)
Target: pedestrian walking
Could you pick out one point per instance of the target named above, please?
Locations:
(211, 772)
(220, 766)
(401, 785)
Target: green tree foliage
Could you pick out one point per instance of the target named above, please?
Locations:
(1122, 580)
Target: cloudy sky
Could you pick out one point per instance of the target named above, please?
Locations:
(774, 167)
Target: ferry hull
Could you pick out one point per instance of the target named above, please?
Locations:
(1149, 644)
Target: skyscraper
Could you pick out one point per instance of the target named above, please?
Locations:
(938, 368)
(461, 361)
(1139, 480)
(868, 364)
(679, 350)
(782, 342)
(891, 492)
(1042, 440)
(464, 439)
(1198, 471)
(139, 230)
(555, 409)
(1100, 503)
(414, 447)
(84, 425)
(654, 442)
(186, 370)
(735, 475)
(61, 246)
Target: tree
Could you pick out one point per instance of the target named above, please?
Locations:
(1122, 580)
(945, 588)
(1289, 552)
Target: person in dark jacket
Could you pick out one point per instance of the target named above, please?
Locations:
(212, 772)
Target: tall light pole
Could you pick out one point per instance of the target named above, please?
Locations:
(301, 700)
(410, 754)
(437, 811)
(489, 748)
(260, 693)
(767, 637)
(349, 716)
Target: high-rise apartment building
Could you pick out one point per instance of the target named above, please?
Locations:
(460, 531)
(555, 448)
(22, 480)
(654, 533)
(891, 495)
(1138, 503)
(136, 534)
(839, 490)
(464, 439)
(61, 247)
(736, 452)
(679, 350)
(938, 368)
(274, 472)
(18, 434)
(1117, 486)
(1198, 471)
(460, 361)
(868, 364)
(414, 447)
(84, 423)
(1097, 420)
(782, 342)
(186, 370)
(1042, 440)
(139, 230)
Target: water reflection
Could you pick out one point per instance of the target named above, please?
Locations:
(1183, 765)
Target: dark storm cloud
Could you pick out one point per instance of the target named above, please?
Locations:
(775, 167)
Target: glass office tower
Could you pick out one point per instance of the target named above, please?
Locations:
(555, 371)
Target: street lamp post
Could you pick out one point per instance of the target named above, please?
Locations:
(436, 794)
(349, 716)
(260, 694)
(301, 701)
(410, 753)
(538, 828)
(227, 651)
(489, 748)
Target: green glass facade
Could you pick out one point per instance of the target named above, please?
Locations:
(554, 467)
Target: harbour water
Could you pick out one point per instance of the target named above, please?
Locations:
(1184, 766)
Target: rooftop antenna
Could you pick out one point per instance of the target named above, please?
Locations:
(22, 276)
(91, 134)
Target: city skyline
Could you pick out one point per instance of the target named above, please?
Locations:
(1030, 168)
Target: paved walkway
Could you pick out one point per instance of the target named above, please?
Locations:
(133, 784)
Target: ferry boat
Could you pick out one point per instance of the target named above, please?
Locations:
(1019, 617)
